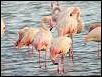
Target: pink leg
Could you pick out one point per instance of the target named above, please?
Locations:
(30, 51)
(70, 52)
(39, 59)
(45, 59)
(33, 50)
(71, 56)
(72, 45)
(58, 67)
(98, 50)
(63, 62)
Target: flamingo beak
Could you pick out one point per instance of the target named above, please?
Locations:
(51, 28)
(51, 24)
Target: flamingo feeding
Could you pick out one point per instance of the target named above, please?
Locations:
(94, 34)
(59, 47)
(2, 26)
(43, 39)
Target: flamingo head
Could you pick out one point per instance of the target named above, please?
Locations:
(55, 8)
(75, 12)
(94, 25)
(54, 54)
(54, 4)
(49, 20)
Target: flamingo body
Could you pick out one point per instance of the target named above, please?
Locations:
(26, 36)
(94, 35)
(60, 45)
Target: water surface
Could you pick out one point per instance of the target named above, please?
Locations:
(15, 62)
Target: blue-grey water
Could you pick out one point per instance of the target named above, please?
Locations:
(16, 62)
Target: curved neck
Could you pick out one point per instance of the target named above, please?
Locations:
(43, 26)
(46, 19)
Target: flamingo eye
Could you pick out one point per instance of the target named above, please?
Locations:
(70, 14)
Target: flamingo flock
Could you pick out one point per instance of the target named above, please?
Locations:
(68, 22)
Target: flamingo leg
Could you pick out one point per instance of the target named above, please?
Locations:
(63, 62)
(39, 59)
(29, 49)
(70, 52)
(58, 67)
(33, 50)
(98, 50)
(72, 45)
(45, 59)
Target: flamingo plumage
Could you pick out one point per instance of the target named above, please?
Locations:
(43, 39)
(26, 36)
(94, 34)
(68, 21)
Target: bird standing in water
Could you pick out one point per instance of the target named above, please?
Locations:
(59, 47)
(43, 39)
(68, 21)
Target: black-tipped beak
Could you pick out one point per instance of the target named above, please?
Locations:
(51, 28)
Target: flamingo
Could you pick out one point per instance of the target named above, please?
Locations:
(26, 36)
(68, 21)
(94, 34)
(43, 40)
(59, 47)
(94, 25)
(55, 9)
(2, 26)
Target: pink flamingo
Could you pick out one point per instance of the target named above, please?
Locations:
(68, 21)
(43, 40)
(26, 37)
(94, 34)
(59, 47)
(2, 27)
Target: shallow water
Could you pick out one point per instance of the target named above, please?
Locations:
(15, 62)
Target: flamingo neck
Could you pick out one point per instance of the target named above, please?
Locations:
(44, 26)
(50, 23)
